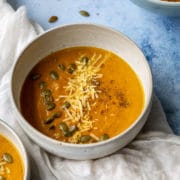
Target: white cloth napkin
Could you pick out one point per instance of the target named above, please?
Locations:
(153, 155)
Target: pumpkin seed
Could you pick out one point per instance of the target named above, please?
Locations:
(67, 134)
(50, 106)
(85, 138)
(73, 128)
(42, 85)
(57, 115)
(104, 137)
(35, 76)
(84, 13)
(61, 67)
(7, 158)
(85, 60)
(49, 120)
(46, 92)
(48, 99)
(63, 127)
(54, 75)
(71, 68)
(66, 105)
(53, 19)
(52, 118)
(52, 127)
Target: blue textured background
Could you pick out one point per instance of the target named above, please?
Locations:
(158, 36)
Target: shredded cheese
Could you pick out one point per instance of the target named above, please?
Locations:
(3, 168)
(94, 137)
(80, 89)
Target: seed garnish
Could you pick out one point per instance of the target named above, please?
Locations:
(53, 19)
(84, 13)
(54, 75)
(7, 158)
(61, 67)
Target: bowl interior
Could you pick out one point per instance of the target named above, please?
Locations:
(81, 35)
(6, 131)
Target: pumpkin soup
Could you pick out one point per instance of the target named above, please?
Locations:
(82, 95)
(11, 166)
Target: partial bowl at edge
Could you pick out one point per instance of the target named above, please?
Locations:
(11, 135)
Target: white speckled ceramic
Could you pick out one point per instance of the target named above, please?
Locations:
(160, 7)
(81, 35)
(9, 133)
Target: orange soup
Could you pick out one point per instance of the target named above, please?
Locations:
(11, 166)
(82, 95)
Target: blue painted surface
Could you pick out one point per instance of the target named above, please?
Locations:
(158, 36)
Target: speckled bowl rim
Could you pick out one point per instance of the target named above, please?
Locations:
(164, 3)
(145, 109)
(26, 159)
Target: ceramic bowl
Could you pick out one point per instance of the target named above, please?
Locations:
(160, 7)
(10, 134)
(81, 35)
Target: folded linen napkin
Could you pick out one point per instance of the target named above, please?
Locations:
(154, 154)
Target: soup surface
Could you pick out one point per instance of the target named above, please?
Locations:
(11, 166)
(82, 95)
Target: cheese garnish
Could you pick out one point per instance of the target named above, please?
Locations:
(3, 168)
(80, 89)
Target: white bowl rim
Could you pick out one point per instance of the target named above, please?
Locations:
(149, 100)
(25, 159)
(164, 3)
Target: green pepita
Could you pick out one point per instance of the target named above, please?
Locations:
(63, 127)
(7, 158)
(48, 99)
(67, 133)
(50, 106)
(66, 105)
(42, 85)
(104, 137)
(52, 118)
(85, 60)
(49, 120)
(35, 76)
(73, 128)
(85, 138)
(46, 92)
(61, 67)
(54, 75)
(52, 127)
(71, 68)
(57, 115)
(84, 13)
